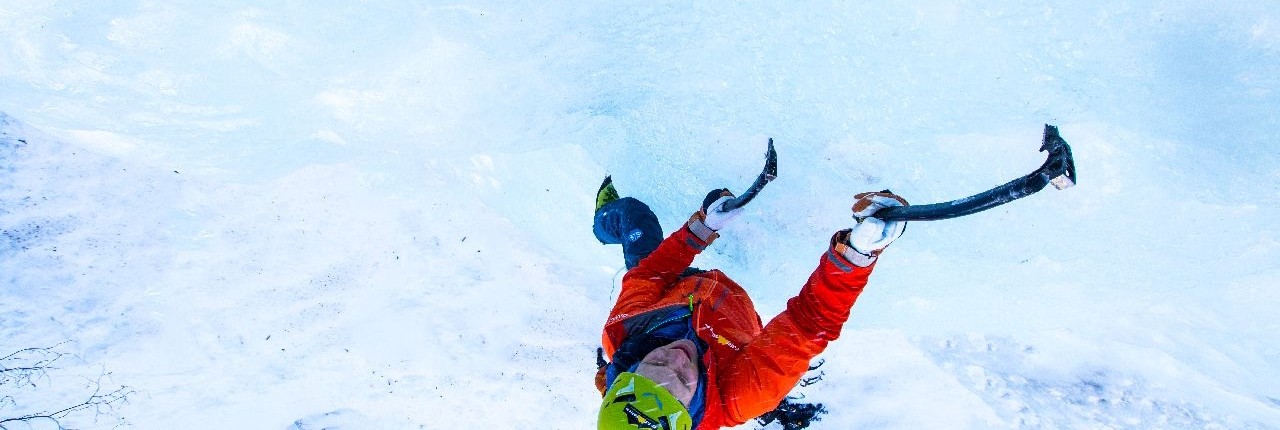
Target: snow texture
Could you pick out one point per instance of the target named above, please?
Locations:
(307, 215)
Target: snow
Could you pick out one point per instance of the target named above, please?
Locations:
(304, 215)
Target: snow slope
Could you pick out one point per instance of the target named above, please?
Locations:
(376, 215)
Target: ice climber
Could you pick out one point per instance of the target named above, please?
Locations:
(686, 348)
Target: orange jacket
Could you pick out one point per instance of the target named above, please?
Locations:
(750, 367)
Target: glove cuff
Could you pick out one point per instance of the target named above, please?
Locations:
(840, 242)
(700, 229)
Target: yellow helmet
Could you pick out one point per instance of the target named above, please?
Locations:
(635, 402)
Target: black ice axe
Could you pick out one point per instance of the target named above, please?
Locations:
(1059, 169)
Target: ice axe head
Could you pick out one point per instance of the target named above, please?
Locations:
(771, 162)
(1059, 169)
(768, 173)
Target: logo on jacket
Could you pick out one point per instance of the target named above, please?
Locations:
(634, 235)
(720, 339)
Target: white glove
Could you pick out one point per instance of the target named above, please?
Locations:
(871, 235)
(711, 216)
(716, 219)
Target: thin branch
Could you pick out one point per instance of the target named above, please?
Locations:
(101, 403)
(44, 349)
(34, 363)
(37, 367)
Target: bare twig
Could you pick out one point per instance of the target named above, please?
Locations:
(29, 365)
(34, 366)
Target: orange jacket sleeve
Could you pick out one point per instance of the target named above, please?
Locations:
(644, 284)
(768, 368)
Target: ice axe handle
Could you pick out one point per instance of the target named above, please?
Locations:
(769, 173)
